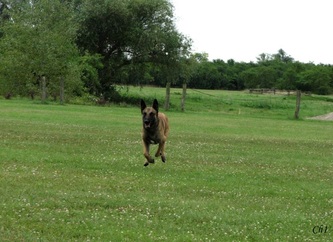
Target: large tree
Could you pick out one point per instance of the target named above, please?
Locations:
(129, 35)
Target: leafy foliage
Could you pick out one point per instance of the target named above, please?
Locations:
(38, 42)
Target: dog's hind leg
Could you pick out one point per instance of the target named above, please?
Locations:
(163, 154)
(163, 158)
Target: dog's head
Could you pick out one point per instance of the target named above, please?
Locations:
(149, 114)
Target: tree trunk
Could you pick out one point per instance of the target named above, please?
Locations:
(182, 105)
(43, 88)
(62, 90)
(167, 96)
(298, 103)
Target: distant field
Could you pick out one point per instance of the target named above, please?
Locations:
(234, 102)
(239, 168)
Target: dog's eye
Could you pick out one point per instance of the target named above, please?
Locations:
(144, 113)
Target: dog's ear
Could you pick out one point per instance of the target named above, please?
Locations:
(155, 105)
(143, 105)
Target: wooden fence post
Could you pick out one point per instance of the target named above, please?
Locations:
(167, 96)
(43, 88)
(182, 104)
(298, 103)
(62, 90)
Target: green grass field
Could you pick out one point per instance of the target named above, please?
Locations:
(239, 168)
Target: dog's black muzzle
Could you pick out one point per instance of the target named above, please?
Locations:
(148, 123)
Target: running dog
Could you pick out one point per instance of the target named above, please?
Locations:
(155, 130)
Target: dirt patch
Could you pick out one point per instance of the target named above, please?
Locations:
(327, 117)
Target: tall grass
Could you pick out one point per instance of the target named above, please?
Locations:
(233, 172)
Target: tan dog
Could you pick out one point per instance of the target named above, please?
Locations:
(155, 130)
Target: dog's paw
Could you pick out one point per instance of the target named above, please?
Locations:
(163, 158)
(146, 164)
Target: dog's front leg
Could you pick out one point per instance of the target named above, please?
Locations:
(146, 154)
(160, 151)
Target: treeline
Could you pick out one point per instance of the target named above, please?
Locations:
(64, 48)
(279, 71)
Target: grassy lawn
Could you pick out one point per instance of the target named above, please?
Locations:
(239, 168)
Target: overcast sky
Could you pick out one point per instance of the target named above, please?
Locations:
(243, 29)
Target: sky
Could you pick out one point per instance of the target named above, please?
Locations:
(243, 29)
